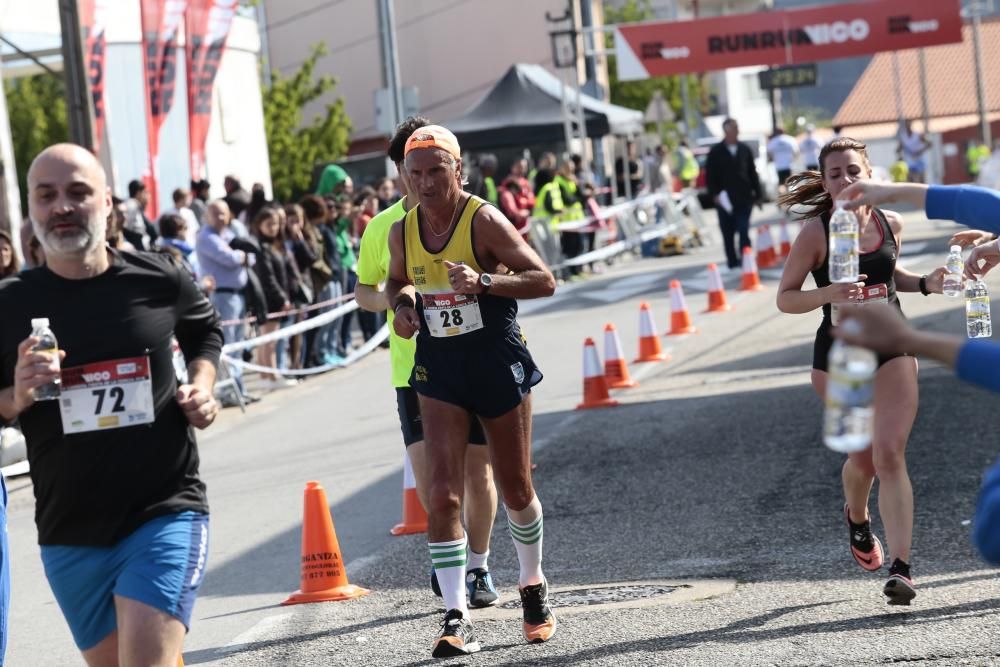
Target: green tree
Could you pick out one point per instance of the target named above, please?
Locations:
(637, 94)
(36, 106)
(294, 147)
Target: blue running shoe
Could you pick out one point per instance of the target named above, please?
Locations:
(482, 592)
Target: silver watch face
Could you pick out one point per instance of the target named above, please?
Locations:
(485, 279)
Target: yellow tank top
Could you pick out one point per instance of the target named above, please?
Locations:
(427, 270)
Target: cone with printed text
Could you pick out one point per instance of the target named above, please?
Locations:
(615, 368)
(649, 338)
(680, 318)
(323, 576)
(785, 241)
(751, 278)
(766, 257)
(595, 389)
(716, 292)
(414, 517)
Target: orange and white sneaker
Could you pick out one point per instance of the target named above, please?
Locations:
(539, 621)
(865, 547)
(456, 636)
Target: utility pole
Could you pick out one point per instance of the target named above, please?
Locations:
(977, 9)
(78, 106)
(10, 200)
(390, 68)
(924, 97)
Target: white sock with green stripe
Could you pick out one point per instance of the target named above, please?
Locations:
(448, 559)
(526, 531)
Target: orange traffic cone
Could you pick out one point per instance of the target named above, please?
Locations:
(716, 292)
(649, 338)
(751, 279)
(680, 319)
(414, 517)
(595, 389)
(615, 369)
(785, 240)
(323, 576)
(765, 248)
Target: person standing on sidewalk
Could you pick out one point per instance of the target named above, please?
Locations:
(734, 185)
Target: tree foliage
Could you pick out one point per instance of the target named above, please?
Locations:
(36, 106)
(637, 94)
(295, 147)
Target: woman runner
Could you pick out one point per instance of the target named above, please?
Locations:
(842, 162)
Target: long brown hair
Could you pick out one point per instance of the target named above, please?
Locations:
(805, 189)
(15, 265)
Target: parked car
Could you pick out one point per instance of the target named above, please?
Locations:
(765, 169)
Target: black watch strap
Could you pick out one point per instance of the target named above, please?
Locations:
(923, 285)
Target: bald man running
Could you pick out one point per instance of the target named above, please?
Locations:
(471, 360)
(121, 512)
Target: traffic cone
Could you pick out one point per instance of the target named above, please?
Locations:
(680, 319)
(751, 279)
(595, 389)
(615, 369)
(323, 576)
(649, 338)
(765, 248)
(786, 242)
(716, 292)
(414, 517)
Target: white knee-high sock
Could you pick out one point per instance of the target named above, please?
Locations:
(526, 531)
(448, 559)
(477, 561)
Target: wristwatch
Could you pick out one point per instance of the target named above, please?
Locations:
(923, 285)
(485, 281)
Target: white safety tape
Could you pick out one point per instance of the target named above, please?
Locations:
(611, 211)
(354, 356)
(292, 330)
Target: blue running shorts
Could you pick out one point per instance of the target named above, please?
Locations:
(161, 564)
(4, 571)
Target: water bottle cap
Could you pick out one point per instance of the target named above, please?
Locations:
(956, 248)
(840, 204)
(851, 327)
(39, 322)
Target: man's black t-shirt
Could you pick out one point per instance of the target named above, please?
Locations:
(95, 488)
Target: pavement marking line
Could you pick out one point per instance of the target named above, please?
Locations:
(258, 631)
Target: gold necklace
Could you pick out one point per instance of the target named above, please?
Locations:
(447, 229)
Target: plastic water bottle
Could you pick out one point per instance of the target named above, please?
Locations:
(40, 329)
(977, 309)
(844, 246)
(849, 418)
(953, 278)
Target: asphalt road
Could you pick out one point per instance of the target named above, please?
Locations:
(712, 469)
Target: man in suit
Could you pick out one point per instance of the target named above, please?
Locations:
(735, 187)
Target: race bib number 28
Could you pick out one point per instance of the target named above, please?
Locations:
(451, 314)
(106, 394)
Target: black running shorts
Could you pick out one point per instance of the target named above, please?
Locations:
(488, 380)
(408, 406)
(824, 341)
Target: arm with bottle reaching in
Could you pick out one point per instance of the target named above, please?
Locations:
(34, 369)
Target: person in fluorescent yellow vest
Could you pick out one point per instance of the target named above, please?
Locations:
(687, 165)
(975, 155)
(571, 241)
(548, 200)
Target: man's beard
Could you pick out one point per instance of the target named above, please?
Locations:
(80, 241)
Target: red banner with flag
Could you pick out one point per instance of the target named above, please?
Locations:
(161, 24)
(207, 24)
(93, 21)
(783, 37)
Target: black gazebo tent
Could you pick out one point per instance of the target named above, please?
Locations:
(524, 108)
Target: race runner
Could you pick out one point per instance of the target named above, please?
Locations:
(121, 512)
(480, 492)
(842, 162)
(471, 361)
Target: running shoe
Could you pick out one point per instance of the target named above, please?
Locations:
(435, 586)
(865, 547)
(456, 637)
(539, 622)
(482, 592)
(899, 588)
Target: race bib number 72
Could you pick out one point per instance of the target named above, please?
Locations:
(106, 394)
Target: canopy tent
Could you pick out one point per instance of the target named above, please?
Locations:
(525, 108)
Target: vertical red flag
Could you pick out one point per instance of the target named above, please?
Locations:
(161, 23)
(93, 20)
(207, 24)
